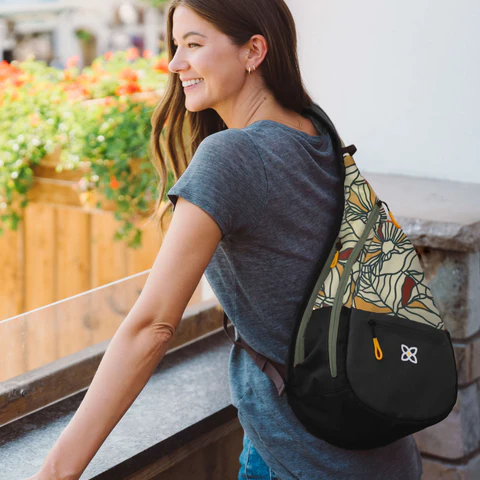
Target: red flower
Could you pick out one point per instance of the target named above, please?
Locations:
(75, 90)
(17, 81)
(8, 71)
(161, 65)
(128, 74)
(114, 184)
(132, 53)
(128, 88)
(147, 54)
(108, 55)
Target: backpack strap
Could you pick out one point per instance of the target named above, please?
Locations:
(351, 149)
(319, 112)
(276, 371)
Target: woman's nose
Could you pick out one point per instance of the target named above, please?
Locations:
(176, 64)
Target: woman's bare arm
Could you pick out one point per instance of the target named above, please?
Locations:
(139, 343)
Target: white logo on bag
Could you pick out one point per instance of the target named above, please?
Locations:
(409, 354)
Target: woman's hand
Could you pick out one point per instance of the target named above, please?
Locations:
(129, 361)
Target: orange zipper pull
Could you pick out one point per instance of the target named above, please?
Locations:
(335, 258)
(391, 215)
(393, 219)
(376, 344)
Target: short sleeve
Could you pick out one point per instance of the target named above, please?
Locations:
(226, 177)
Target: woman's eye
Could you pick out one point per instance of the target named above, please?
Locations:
(176, 46)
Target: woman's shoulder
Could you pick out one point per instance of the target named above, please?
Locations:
(228, 138)
(230, 145)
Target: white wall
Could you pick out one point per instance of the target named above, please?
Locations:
(399, 79)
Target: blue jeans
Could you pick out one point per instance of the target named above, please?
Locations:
(252, 466)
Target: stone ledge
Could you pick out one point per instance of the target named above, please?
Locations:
(467, 356)
(444, 236)
(433, 213)
(186, 396)
(42, 386)
(454, 279)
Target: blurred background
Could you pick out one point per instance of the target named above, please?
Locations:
(54, 30)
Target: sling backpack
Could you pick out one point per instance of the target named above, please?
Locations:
(370, 360)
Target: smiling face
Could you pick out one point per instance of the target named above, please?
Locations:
(210, 55)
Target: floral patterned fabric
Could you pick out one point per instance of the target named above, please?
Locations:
(387, 276)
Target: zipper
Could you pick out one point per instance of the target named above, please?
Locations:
(426, 336)
(337, 304)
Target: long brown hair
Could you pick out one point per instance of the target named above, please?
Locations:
(177, 132)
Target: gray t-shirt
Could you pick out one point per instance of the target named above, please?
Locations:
(275, 192)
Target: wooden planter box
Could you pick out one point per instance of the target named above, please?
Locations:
(65, 246)
(59, 187)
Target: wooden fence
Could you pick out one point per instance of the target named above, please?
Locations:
(62, 249)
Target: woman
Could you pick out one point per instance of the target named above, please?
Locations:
(246, 213)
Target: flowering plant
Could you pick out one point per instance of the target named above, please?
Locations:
(119, 73)
(99, 115)
(113, 136)
(32, 110)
